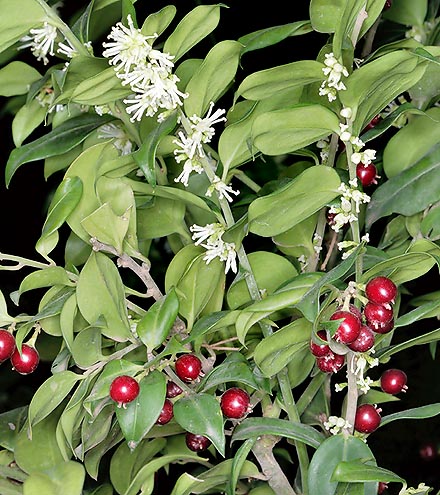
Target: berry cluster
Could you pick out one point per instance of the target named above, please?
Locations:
(234, 402)
(24, 362)
(357, 328)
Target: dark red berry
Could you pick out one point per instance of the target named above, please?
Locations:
(235, 402)
(7, 345)
(381, 290)
(188, 367)
(387, 5)
(377, 315)
(365, 340)
(428, 451)
(197, 443)
(349, 328)
(373, 122)
(331, 218)
(173, 390)
(320, 349)
(393, 381)
(27, 362)
(124, 389)
(166, 415)
(367, 174)
(331, 363)
(367, 418)
(381, 487)
(384, 327)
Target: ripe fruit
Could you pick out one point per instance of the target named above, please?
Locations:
(318, 349)
(387, 5)
(393, 381)
(384, 327)
(375, 120)
(188, 367)
(197, 443)
(367, 174)
(349, 328)
(367, 418)
(7, 345)
(381, 290)
(234, 403)
(27, 362)
(377, 315)
(173, 390)
(381, 487)
(428, 451)
(166, 415)
(124, 389)
(331, 363)
(365, 340)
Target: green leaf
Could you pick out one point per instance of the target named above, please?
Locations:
(201, 414)
(360, 472)
(26, 120)
(145, 156)
(275, 352)
(11, 423)
(81, 26)
(422, 412)
(100, 292)
(255, 427)
(138, 416)
(213, 77)
(61, 139)
(332, 451)
(325, 14)
(158, 21)
(195, 26)
(273, 35)
(154, 327)
(407, 12)
(67, 477)
(237, 463)
(301, 197)
(268, 82)
(50, 394)
(86, 348)
(287, 130)
(427, 338)
(46, 277)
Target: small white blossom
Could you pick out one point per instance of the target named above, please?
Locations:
(340, 386)
(41, 41)
(334, 70)
(344, 135)
(69, 51)
(346, 112)
(121, 141)
(303, 262)
(324, 145)
(344, 210)
(364, 384)
(335, 424)
(102, 110)
(223, 190)
(202, 128)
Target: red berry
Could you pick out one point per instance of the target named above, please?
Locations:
(349, 328)
(367, 418)
(234, 403)
(365, 340)
(381, 487)
(318, 349)
(27, 362)
(381, 290)
(393, 381)
(197, 443)
(331, 218)
(377, 315)
(367, 174)
(428, 451)
(124, 389)
(173, 390)
(373, 122)
(7, 345)
(166, 415)
(331, 363)
(188, 367)
(387, 5)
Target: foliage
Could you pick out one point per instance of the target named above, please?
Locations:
(200, 209)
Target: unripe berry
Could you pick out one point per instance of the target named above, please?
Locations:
(367, 418)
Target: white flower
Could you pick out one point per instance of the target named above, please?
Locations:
(223, 190)
(336, 424)
(121, 141)
(41, 41)
(334, 70)
(364, 384)
(202, 130)
(69, 51)
(210, 237)
(344, 135)
(344, 210)
(129, 46)
(324, 145)
(346, 112)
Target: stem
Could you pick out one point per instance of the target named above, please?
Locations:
(241, 176)
(352, 391)
(21, 262)
(369, 39)
(292, 411)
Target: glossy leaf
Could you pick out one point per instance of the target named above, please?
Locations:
(61, 139)
(273, 35)
(325, 14)
(332, 451)
(255, 427)
(422, 412)
(307, 193)
(138, 416)
(213, 77)
(361, 472)
(427, 338)
(16, 77)
(238, 462)
(287, 130)
(26, 120)
(201, 414)
(153, 328)
(195, 26)
(86, 348)
(407, 13)
(100, 293)
(47, 277)
(158, 21)
(67, 477)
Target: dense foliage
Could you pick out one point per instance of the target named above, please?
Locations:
(229, 260)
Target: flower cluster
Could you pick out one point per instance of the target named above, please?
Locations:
(210, 237)
(146, 70)
(41, 41)
(333, 70)
(349, 246)
(190, 148)
(335, 424)
(362, 361)
(121, 140)
(350, 196)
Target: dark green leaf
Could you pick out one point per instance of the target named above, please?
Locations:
(422, 412)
